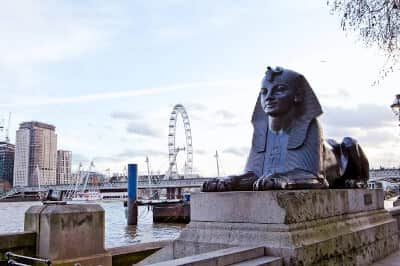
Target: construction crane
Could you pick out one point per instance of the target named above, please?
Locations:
(6, 129)
(217, 159)
(149, 176)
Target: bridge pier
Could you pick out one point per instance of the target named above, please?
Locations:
(179, 195)
(171, 193)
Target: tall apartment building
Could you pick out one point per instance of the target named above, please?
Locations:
(64, 161)
(7, 151)
(35, 154)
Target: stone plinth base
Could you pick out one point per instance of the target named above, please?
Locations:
(68, 234)
(304, 227)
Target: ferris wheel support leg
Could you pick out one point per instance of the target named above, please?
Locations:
(132, 194)
(171, 193)
(179, 195)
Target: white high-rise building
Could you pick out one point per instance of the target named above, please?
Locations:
(64, 161)
(35, 154)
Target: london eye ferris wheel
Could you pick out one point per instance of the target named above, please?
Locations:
(173, 150)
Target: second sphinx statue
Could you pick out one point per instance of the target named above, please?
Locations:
(288, 151)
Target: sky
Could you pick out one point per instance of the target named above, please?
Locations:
(107, 74)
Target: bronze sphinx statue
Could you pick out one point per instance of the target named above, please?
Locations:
(288, 151)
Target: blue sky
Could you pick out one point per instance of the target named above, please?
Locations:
(107, 74)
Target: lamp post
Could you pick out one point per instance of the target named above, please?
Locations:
(396, 107)
(396, 110)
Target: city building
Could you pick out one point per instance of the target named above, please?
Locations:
(64, 161)
(93, 177)
(35, 154)
(7, 151)
(4, 187)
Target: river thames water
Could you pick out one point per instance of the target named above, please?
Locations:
(118, 233)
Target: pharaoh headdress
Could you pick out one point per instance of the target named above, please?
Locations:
(308, 109)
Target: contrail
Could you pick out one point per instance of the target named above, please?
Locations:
(34, 101)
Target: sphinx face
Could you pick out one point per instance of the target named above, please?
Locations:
(277, 98)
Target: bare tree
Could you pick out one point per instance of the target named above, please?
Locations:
(377, 22)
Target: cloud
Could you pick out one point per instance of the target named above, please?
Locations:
(142, 129)
(243, 151)
(78, 158)
(38, 32)
(145, 152)
(366, 116)
(378, 138)
(127, 154)
(225, 114)
(196, 106)
(198, 117)
(37, 35)
(201, 152)
(338, 132)
(227, 124)
(340, 93)
(124, 115)
(106, 159)
(112, 94)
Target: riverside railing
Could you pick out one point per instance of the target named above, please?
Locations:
(190, 182)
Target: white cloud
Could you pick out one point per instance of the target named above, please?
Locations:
(41, 32)
(238, 151)
(36, 34)
(102, 96)
(225, 114)
(143, 129)
(125, 115)
(364, 116)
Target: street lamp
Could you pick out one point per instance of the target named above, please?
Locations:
(396, 107)
(396, 4)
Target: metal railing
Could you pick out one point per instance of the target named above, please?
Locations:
(190, 182)
(13, 260)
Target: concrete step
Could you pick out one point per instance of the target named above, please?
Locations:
(263, 261)
(220, 257)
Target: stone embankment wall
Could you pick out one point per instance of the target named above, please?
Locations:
(20, 243)
(25, 244)
(130, 254)
(395, 212)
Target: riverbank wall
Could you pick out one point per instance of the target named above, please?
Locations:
(68, 234)
(24, 243)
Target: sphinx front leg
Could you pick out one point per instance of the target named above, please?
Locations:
(242, 182)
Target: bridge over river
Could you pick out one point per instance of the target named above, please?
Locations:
(120, 186)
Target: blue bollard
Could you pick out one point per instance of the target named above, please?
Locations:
(132, 194)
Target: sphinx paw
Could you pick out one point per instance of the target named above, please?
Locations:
(352, 183)
(216, 185)
(210, 185)
(269, 183)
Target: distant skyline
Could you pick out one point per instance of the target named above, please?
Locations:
(107, 74)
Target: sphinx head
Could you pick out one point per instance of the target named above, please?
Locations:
(282, 91)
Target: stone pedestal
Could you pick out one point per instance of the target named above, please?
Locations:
(304, 227)
(69, 234)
